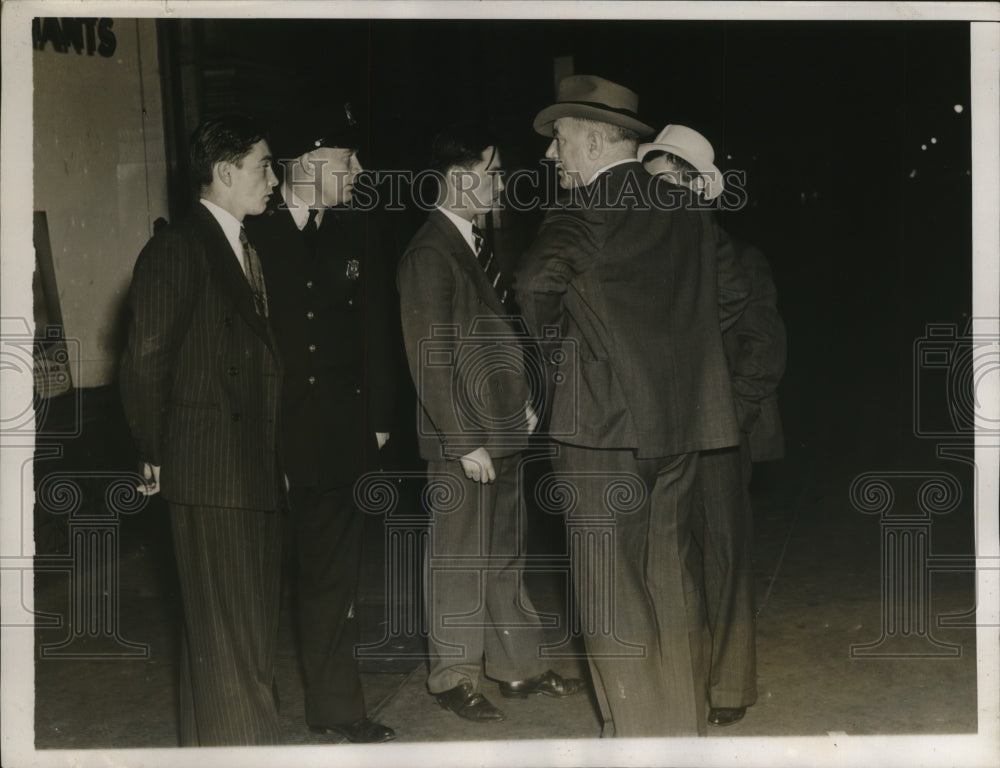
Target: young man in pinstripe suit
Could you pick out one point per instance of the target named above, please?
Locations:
(200, 380)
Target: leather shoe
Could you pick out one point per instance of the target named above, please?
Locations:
(726, 715)
(363, 731)
(465, 702)
(549, 683)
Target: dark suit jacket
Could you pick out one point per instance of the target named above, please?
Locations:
(330, 317)
(463, 350)
(200, 374)
(640, 293)
(755, 348)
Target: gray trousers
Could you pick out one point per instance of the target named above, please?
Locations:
(477, 609)
(636, 579)
(229, 563)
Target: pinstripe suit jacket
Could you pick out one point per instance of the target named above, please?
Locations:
(200, 377)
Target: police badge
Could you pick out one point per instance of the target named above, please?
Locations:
(353, 269)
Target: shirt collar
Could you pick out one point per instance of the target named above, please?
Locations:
(231, 227)
(299, 208)
(464, 226)
(229, 223)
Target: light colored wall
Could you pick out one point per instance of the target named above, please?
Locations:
(100, 175)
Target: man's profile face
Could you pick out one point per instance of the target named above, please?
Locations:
(478, 188)
(660, 164)
(569, 150)
(252, 179)
(336, 168)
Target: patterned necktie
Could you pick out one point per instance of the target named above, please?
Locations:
(486, 259)
(254, 275)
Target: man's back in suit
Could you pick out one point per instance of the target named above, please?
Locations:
(638, 289)
(638, 284)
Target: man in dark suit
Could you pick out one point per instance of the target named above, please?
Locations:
(474, 418)
(634, 278)
(755, 351)
(200, 386)
(327, 282)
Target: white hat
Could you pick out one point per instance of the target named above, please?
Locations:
(687, 144)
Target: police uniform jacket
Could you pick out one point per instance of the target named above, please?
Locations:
(328, 310)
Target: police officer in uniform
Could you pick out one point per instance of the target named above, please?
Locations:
(326, 280)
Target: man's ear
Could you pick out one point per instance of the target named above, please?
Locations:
(595, 144)
(306, 163)
(223, 173)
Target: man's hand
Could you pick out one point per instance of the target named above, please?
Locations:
(478, 466)
(531, 416)
(151, 474)
(381, 438)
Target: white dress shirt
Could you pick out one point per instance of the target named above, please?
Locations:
(299, 208)
(464, 227)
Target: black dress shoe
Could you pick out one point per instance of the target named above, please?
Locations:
(726, 715)
(364, 731)
(464, 702)
(549, 683)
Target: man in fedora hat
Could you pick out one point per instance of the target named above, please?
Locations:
(326, 274)
(639, 290)
(755, 350)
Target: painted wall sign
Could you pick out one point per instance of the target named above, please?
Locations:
(90, 35)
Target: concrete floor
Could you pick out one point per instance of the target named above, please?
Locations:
(817, 568)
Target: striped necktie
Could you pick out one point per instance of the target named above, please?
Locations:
(487, 260)
(251, 261)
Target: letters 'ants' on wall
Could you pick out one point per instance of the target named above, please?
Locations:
(90, 35)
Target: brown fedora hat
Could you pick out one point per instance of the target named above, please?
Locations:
(593, 98)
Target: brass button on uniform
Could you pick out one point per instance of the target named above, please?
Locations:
(309, 283)
(310, 314)
(312, 347)
(312, 379)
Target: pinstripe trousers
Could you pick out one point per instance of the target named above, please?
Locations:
(229, 563)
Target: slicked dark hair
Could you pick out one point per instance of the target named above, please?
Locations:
(460, 146)
(222, 139)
